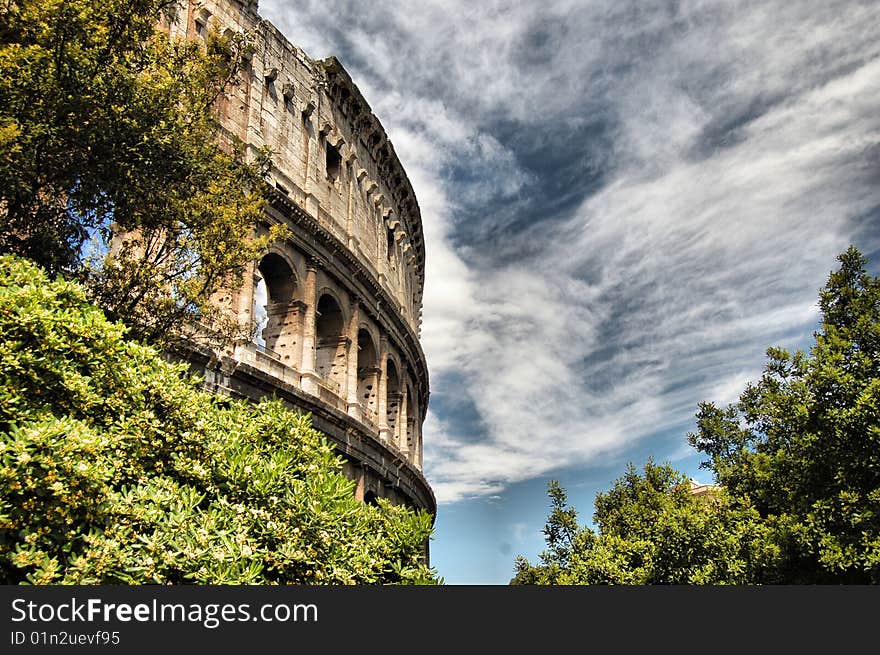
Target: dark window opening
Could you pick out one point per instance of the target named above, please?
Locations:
(280, 281)
(334, 162)
(201, 22)
(274, 291)
(390, 238)
(329, 321)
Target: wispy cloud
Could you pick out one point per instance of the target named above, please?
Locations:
(624, 203)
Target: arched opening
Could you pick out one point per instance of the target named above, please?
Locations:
(275, 316)
(330, 351)
(392, 406)
(280, 280)
(367, 376)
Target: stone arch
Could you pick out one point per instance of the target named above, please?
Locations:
(393, 397)
(279, 276)
(330, 340)
(276, 314)
(368, 375)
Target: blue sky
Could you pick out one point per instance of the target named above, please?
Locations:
(624, 204)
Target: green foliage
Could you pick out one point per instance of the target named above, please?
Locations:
(803, 443)
(652, 530)
(116, 468)
(562, 528)
(111, 166)
(798, 464)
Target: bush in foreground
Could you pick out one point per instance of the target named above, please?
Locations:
(116, 468)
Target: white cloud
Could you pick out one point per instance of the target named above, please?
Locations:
(519, 531)
(743, 144)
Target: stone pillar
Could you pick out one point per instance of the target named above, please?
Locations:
(244, 305)
(349, 213)
(418, 416)
(382, 408)
(401, 422)
(360, 483)
(381, 239)
(393, 401)
(309, 376)
(354, 407)
(311, 164)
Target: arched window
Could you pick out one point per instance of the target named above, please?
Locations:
(392, 405)
(274, 292)
(280, 281)
(330, 355)
(368, 376)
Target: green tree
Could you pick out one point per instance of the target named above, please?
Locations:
(653, 530)
(112, 169)
(803, 443)
(116, 468)
(797, 461)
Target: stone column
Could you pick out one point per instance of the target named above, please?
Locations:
(418, 416)
(244, 306)
(401, 422)
(381, 239)
(312, 162)
(360, 483)
(394, 401)
(382, 405)
(309, 376)
(349, 212)
(354, 407)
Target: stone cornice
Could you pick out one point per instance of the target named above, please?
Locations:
(344, 92)
(385, 307)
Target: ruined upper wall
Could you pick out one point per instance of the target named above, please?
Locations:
(330, 153)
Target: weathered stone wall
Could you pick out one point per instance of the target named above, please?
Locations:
(309, 112)
(335, 309)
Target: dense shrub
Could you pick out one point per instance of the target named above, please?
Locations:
(115, 467)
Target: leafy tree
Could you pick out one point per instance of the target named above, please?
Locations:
(116, 468)
(111, 165)
(803, 443)
(797, 461)
(652, 530)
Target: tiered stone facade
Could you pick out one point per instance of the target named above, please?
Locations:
(335, 309)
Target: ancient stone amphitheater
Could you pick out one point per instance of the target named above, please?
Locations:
(335, 309)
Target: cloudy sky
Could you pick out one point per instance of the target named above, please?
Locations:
(624, 204)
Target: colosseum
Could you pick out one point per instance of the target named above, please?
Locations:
(335, 309)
